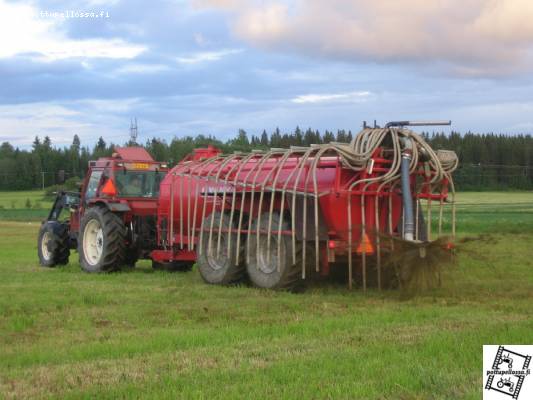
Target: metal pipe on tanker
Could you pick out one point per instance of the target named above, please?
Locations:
(408, 222)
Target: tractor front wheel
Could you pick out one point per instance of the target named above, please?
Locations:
(102, 242)
(53, 244)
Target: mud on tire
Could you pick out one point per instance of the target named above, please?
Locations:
(102, 241)
(53, 244)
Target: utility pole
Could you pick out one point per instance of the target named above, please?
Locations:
(42, 174)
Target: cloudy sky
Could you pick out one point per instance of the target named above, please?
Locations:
(214, 66)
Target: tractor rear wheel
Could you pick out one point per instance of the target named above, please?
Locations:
(102, 242)
(264, 267)
(215, 264)
(53, 244)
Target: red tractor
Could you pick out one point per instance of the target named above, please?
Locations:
(112, 219)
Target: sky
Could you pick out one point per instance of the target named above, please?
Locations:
(215, 66)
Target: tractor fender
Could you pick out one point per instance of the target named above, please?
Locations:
(113, 207)
(119, 207)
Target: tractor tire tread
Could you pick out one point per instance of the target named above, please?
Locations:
(59, 246)
(114, 231)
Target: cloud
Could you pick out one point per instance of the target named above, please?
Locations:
(89, 119)
(476, 37)
(20, 123)
(323, 98)
(142, 69)
(205, 56)
(23, 30)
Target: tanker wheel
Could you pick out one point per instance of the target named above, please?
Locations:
(102, 244)
(53, 244)
(173, 266)
(264, 267)
(215, 264)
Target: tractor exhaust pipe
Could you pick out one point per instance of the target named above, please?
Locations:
(409, 219)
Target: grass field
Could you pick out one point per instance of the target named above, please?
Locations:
(13, 206)
(17, 200)
(66, 334)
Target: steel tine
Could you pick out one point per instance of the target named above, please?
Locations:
(236, 163)
(429, 217)
(441, 211)
(350, 264)
(452, 187)
(274, 152)
(181, 213)
(302, 167)
(244, 185)
(378, 233)
(283, 193)
(260, 164)
(206, 189)
(243, 162)
(196, 180)
(314, 167)
(189, 233)
(171, 230)
(281, 165)
(221, 167)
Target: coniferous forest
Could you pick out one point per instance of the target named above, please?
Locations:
(487, 161)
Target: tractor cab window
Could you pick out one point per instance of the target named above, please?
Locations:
(138, 184)
(92, 186)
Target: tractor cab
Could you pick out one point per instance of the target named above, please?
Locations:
(130, 176)
(112, 218)
(127, 182)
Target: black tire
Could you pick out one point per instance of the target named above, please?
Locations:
(174, 266)
(271, 274)
(111, 240)
(53, 244)
(131, 257)
(221, 269)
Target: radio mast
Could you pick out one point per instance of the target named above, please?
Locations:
(133, 131)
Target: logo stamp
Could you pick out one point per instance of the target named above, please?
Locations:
(507, 372)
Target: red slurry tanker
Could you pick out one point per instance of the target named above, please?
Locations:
(280, 215)
(275, 217)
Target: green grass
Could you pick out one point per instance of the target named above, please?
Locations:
(67, 334)
(13, 206)
(494, 212)
(18, 199)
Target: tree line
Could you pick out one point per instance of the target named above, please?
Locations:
(487, 161)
